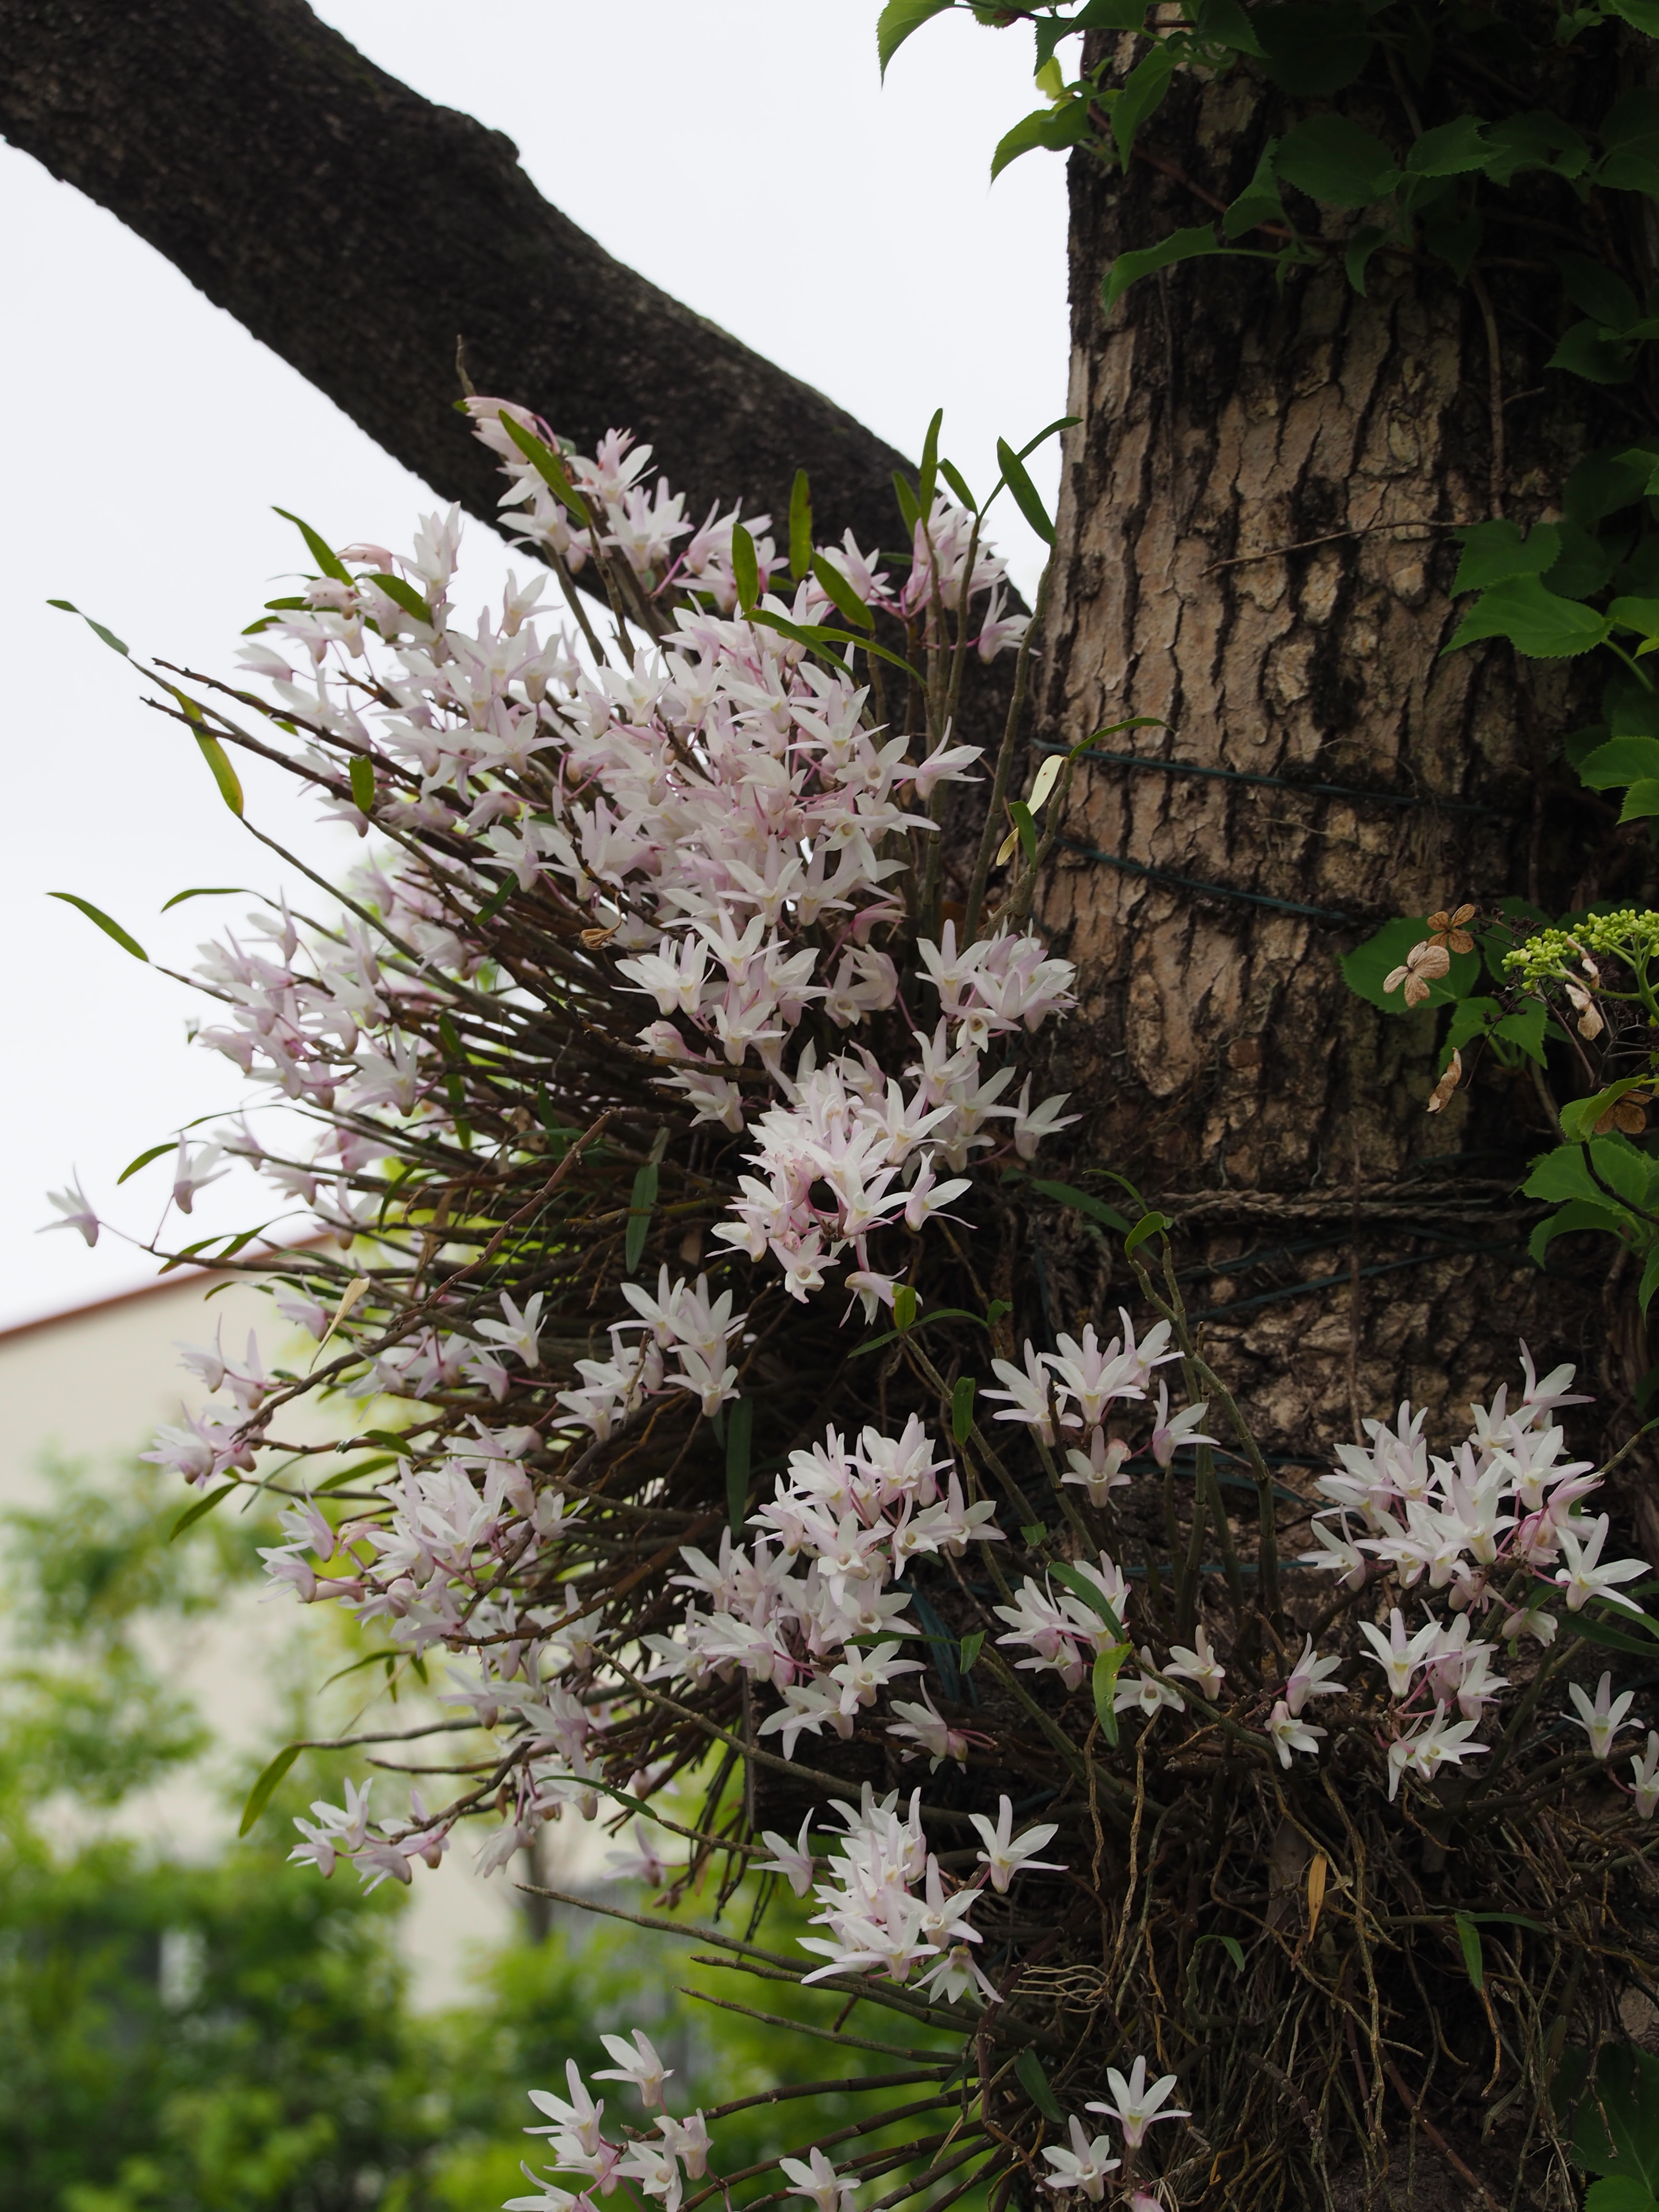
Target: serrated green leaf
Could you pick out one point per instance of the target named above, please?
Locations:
(1535, 621)
(739, 1431)
(1597, 291)
(1493, 552)
(1334, 160)
(263, 1790)
(1620, 760)
(1641, 801)
(1581, 1213)
(1224, 23)
(898, 21)
(962, 1408)
(1604, 1170)
(1357, 254)
(1587, 351)
(1259, 201)
(109, 927)
(1451, 149)
(1046, 130)
(1140, 99)
(1147, 260)
(1312, 50)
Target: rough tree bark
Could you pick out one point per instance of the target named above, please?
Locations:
(357, 230)
(1222, 1060)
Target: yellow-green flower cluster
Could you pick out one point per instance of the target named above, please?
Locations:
(1630, 935)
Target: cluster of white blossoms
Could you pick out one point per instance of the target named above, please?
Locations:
(582, 2152)
(720, 813)
(1493, 1533)
(791, 1607)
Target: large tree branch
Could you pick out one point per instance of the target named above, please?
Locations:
(358, 230)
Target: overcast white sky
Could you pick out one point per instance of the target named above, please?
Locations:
(144, 439)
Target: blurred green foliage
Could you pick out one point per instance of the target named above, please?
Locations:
(236, 2036)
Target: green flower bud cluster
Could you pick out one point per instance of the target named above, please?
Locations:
(1630, 935)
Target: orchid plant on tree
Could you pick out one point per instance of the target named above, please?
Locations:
(660, 1095)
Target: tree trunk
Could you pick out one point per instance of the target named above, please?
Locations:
(359, 231)
(1223, 1061)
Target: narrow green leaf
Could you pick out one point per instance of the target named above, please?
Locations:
(1024, 491)
(326, 559)
(145, 1159)
(927, 479)
(972, 1645)
(404, 594)
(260, 1796)
(1034, 2082)
(1060, 423)
(548, 467)
(904, 1307)
(815, 633)
(745, 568)
(362, 783)
(1234, 1949)
(97, 628)
(1150, 1225)
(110, 928)
(1468, 1938)
(1093, 1596)
(1033, 1533)
(905, 492)
(840, 590)
(224, 774)
(192, 1514)
(1103, 1683)
(962, 1408)
(800, 526)
(1080, 1202)
(959, 491)
(211, 891)
(640, 1207)
(739, 1429)
(1020, 815)
(349, 1475)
